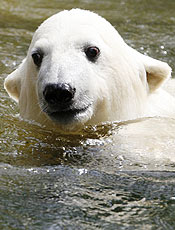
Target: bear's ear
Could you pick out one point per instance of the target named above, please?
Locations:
(12, 82)
(156, 71)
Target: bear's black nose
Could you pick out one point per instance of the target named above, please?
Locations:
(58, 94)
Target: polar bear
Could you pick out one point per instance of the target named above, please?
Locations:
(79, 71)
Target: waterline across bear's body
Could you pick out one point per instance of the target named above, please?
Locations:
(79, 71)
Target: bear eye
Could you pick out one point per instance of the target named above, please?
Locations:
(37, 57)
(92, 53)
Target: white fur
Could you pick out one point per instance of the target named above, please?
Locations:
(121, 85)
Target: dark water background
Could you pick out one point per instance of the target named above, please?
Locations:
(53, 182)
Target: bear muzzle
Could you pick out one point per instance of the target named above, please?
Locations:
(59, 95)
(61, 105)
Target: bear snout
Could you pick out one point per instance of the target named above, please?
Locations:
(60, 94)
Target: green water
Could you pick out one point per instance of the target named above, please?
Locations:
(53, 182)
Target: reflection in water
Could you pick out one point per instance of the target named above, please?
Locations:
(60, 197)
(93, 180)
(132, 145)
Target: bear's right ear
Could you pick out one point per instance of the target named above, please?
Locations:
(12, 82)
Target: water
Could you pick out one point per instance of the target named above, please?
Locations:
(113, 176)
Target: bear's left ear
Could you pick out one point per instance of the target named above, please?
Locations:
(12, 82)
(156, 71)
